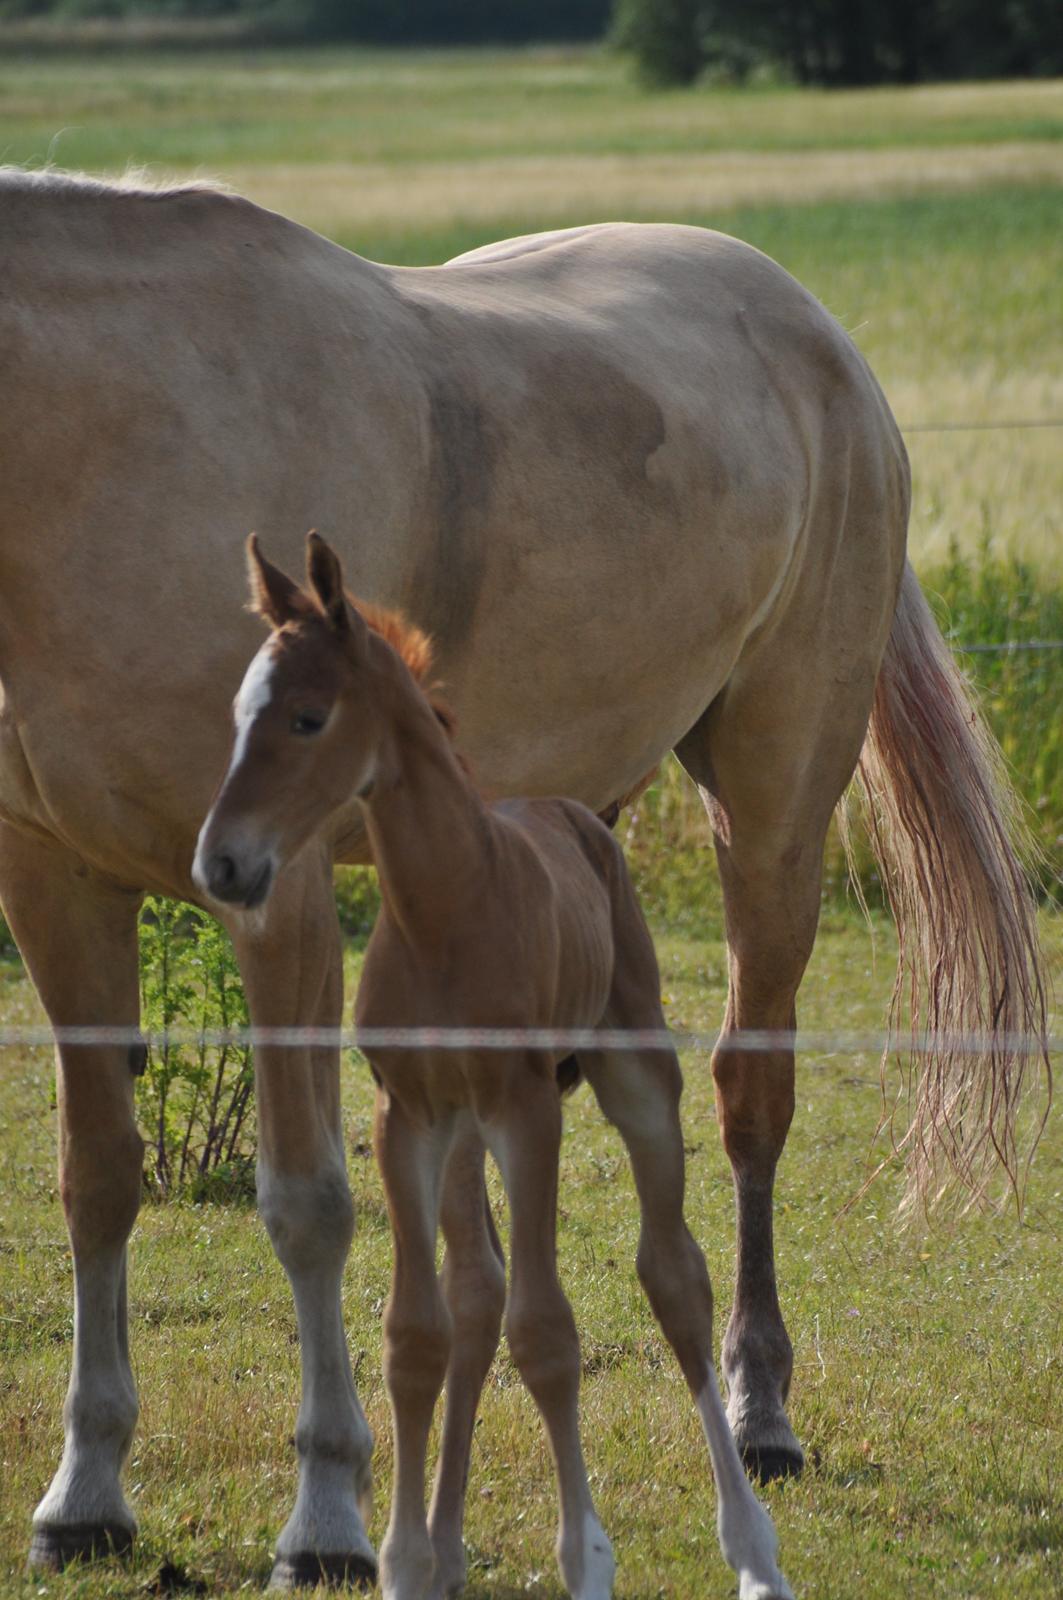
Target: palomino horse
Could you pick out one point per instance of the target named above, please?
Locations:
(516, 915)
(644, 494)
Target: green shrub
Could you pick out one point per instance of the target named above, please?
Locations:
(357, 902)
(194, 1101)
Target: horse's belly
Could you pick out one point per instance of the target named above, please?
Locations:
(20, 800)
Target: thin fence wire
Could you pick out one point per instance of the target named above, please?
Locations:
(746, 1041)
(983, 427)
(1009, 647)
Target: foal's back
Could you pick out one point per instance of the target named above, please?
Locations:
(535, 945)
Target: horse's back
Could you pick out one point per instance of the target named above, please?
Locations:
(585, 461)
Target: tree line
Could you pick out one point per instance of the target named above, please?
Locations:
(384, 22)
(842, 42)
(672, 42)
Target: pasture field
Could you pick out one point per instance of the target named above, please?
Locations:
(929, 1372)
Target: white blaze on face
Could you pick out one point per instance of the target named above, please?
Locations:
(254, 696)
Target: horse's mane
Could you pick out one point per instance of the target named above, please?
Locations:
(134, 182)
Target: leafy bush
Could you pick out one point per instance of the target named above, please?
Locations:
(194, 1101)
(357, 902)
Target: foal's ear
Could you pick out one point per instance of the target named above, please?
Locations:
(273, 594)
(325, 577)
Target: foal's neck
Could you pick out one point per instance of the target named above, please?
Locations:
(428, 827)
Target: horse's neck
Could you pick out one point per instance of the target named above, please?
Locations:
(428, 829)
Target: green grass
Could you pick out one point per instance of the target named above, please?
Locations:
(349, 104)
(927, 1374)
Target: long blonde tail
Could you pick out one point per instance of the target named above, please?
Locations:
(952, 848)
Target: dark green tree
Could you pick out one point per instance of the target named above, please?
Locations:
(664, 37)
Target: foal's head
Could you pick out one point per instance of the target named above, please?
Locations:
(308, 717)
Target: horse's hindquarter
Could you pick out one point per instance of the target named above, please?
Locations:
(654, 408)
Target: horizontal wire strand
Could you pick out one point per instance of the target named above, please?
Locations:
(750, 1041)
(1005, 424)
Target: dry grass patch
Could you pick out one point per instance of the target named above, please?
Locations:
(336, 197)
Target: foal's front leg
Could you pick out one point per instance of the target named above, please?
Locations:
(416, 1336)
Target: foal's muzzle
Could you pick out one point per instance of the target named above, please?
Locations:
(233, 883)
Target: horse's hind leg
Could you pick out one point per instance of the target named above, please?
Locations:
(771, 758)
(474, 1286)
(78, 938)
(290, 960)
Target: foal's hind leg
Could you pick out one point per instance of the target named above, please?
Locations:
(524, 1139)
(771, 758)
(416, 1335)
(639, 1093)
(474, 1285)
(77, 935)
(290, 959)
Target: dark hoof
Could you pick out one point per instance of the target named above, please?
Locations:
(55, 1547)
(305, 1570)
(774, 1461)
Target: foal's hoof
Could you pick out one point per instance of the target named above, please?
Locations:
(55, 1546)
(769, 1462)
(305, 1570)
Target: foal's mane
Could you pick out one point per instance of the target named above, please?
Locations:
(413, 647)
(410, 643)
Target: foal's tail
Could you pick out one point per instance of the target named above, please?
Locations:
(952, 849)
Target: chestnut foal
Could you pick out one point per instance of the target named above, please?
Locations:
(512, 915)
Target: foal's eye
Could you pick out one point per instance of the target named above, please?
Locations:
(308, 722)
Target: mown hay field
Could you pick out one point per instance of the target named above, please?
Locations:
(928, 1378)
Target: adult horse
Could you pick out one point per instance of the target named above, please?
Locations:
(644, 494)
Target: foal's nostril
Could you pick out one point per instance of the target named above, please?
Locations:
(222, 874)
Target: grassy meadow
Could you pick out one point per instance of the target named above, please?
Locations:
(927, 1370)
(928, 1387)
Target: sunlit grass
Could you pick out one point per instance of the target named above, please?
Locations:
(344, 104)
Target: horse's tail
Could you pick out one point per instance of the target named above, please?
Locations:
(952, 849)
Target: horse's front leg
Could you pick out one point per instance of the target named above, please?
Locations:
(291, 964)
(78, 938)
